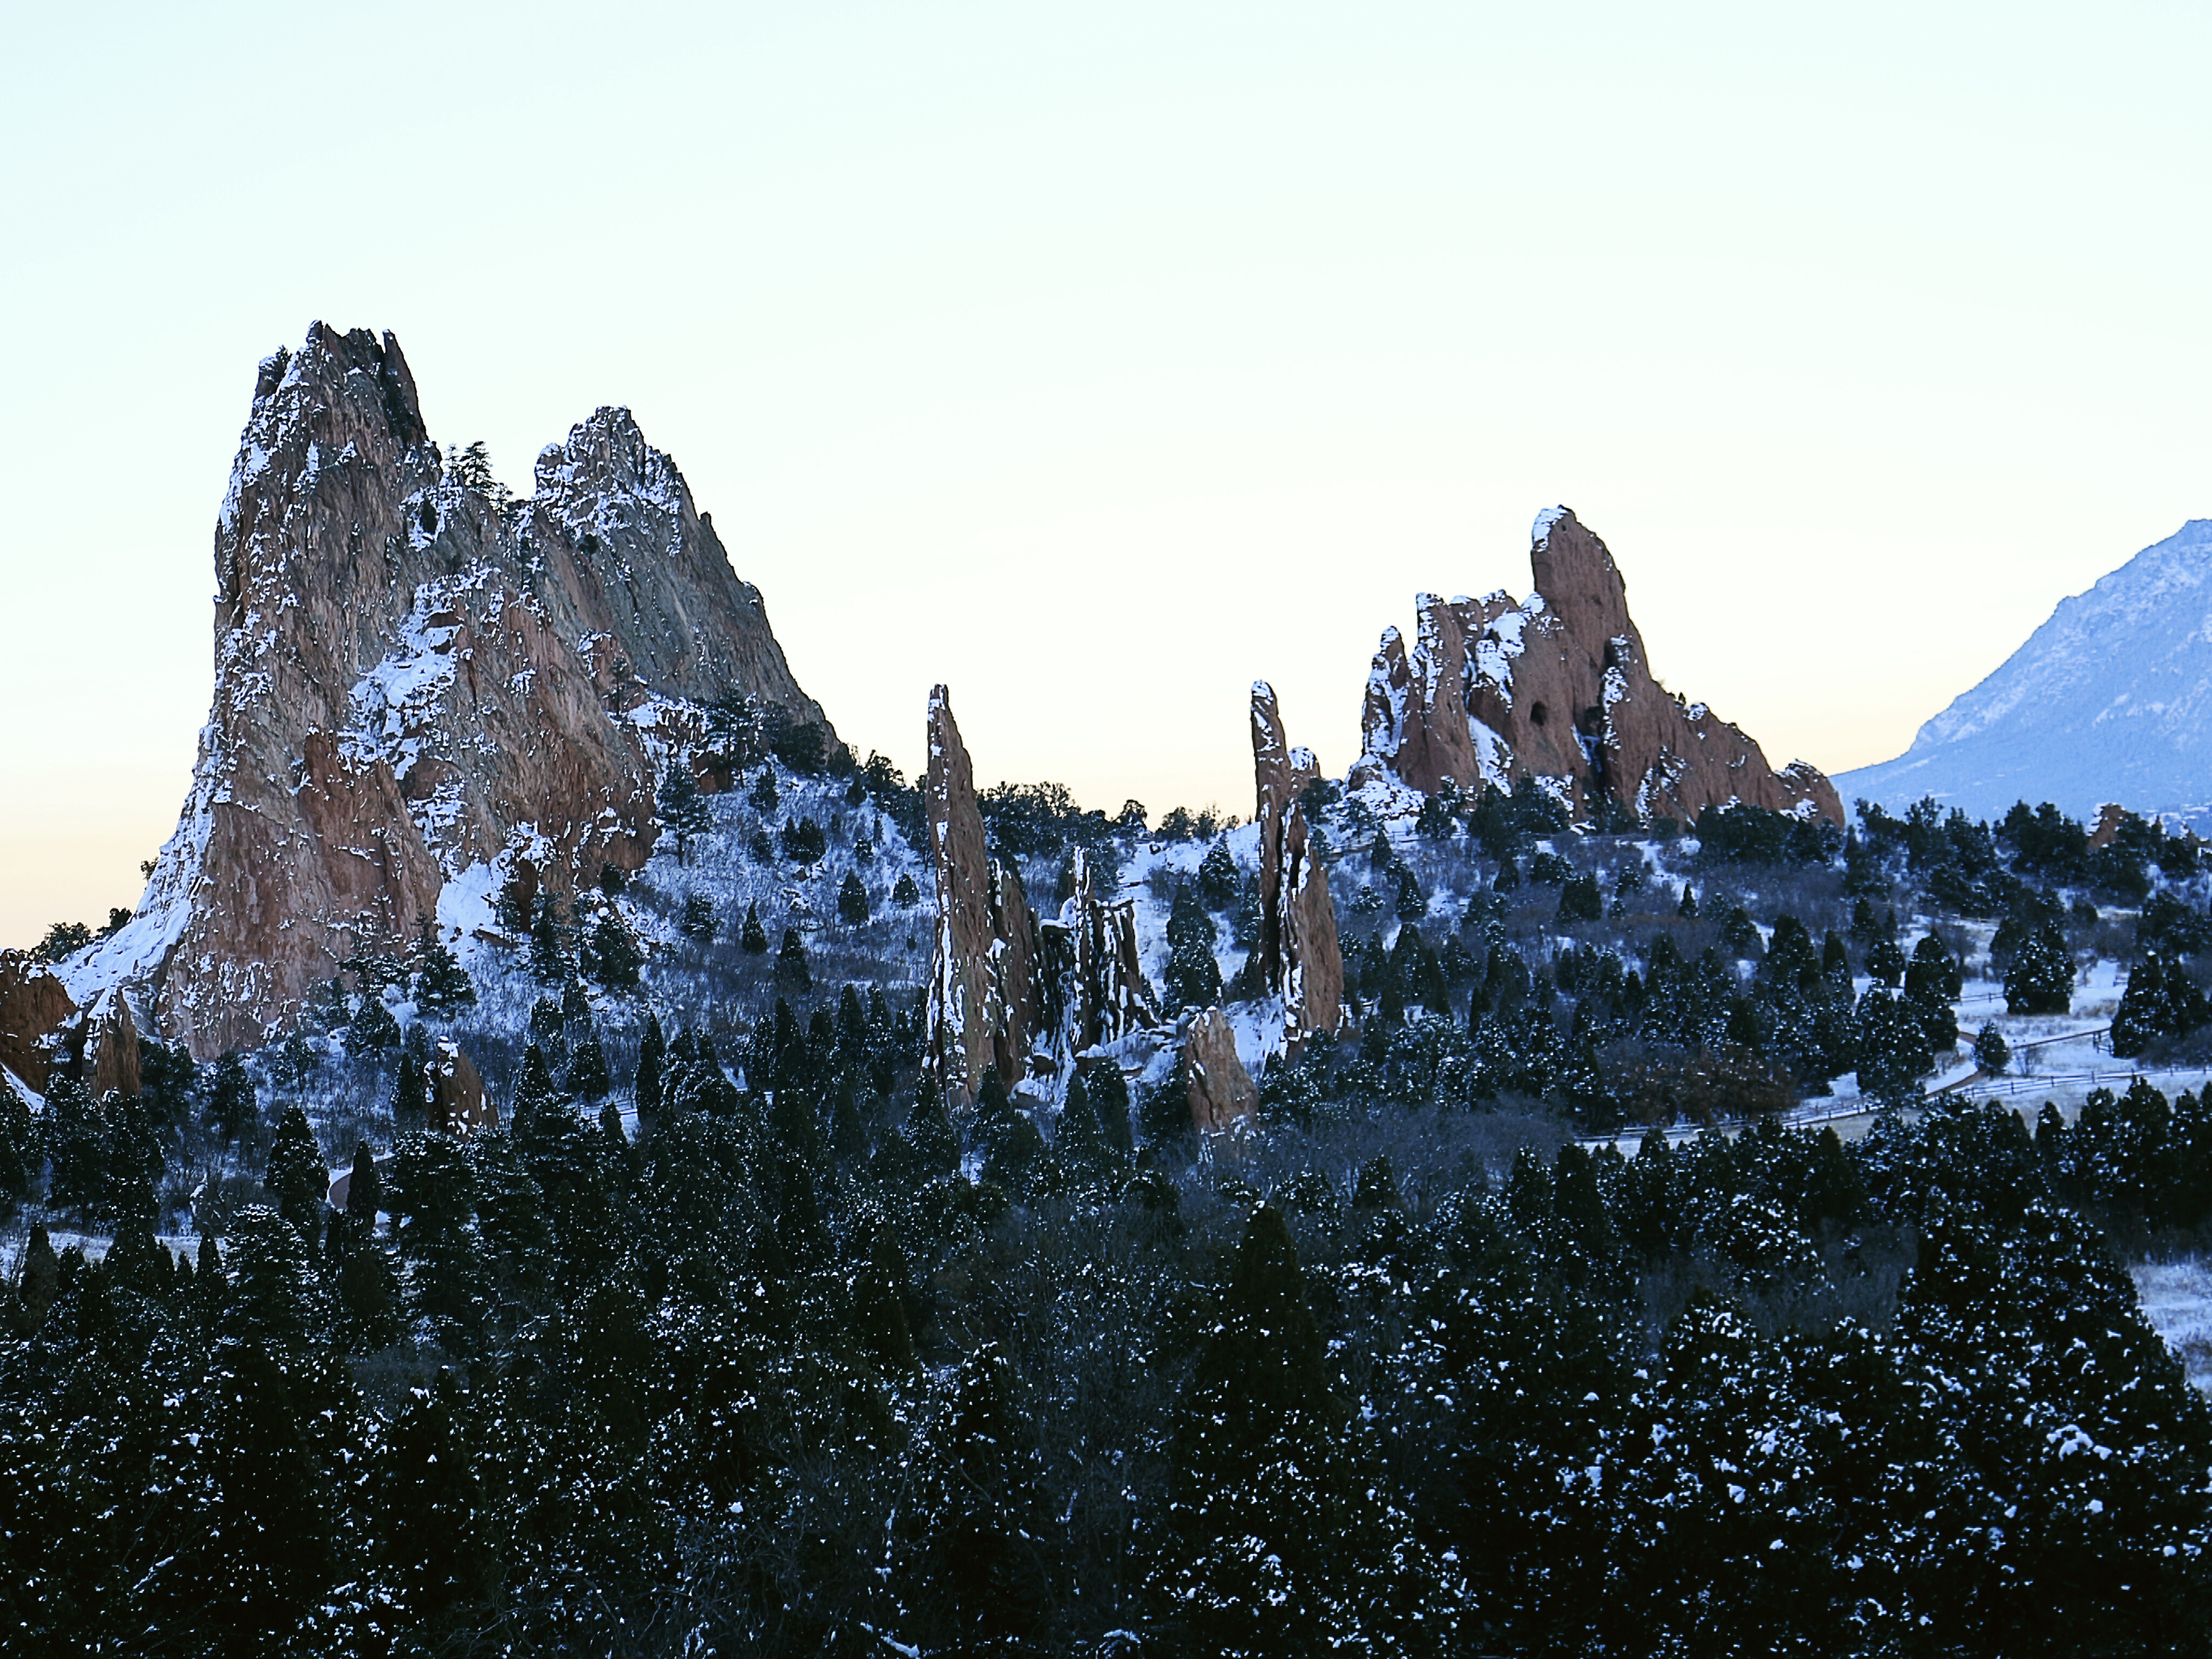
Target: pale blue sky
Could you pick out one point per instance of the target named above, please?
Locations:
(1098, 359)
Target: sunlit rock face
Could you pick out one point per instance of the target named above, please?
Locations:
(414, 677)
(1558, 687)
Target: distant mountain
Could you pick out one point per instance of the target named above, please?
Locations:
(2108, 701)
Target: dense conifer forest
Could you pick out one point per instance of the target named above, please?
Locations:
(732, 1338)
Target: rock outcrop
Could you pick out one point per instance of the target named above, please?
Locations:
(1558, 687)
(457, 1103)
(109, 1064)
(34, 1005)
(1299, 958)
(1214, 1079)
(983, 980)
(416, 675)
(1092, 972)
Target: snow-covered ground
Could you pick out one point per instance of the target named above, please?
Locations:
(2176, 1299)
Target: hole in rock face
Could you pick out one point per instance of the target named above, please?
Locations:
(428, 517)
(1538, 714)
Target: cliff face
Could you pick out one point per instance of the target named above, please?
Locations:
(1559, 687)
(413, 678)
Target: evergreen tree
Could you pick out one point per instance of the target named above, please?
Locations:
(683, 811)
(411, 1090)
(615, 953)
(651, 1052)
(2040, 978)
(368, 1288)
(2160, 1000)
(754, 937)
(233, 1104)
(764, 795)
(432, 1540)
(1580, 901)
(1281, 1543)
(698, 918)
(549, 948)
(1992, 1054)
(587, 1077)
(905, 894)
(441, 985)
(851, 901)
(1217, 877)
(1194, 978)
(296, 1179)
(792, 972)
(1688, 908)
(434, 1193)
(972, 1572)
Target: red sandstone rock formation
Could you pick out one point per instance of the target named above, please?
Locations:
(1220, 1089)
(1299, 958)
(983, 975)
(110, 1061)
(33, 1006)
(415, 674)
(459, 1104)
(1096, 968)
(1559, 688)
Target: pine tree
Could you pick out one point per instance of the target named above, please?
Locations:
(588, 1079)
(432, 1535)
(698, 920)
(233, 1103)
(973, 1567)
(683, 811)
(411, 1090)
(549, 951)
(368, 1288)
(652, 1053)
(296, 1178)
(792, 972)
(764, 796)
(441, 985)
(1992, 1054)
(434, 1193)
(615, 953)
(1688, 908)
(1194, 978)
(905, 894)
(754, 937)
(1580, 901)
(1217, 877)
(851, 901)
(2040, 978)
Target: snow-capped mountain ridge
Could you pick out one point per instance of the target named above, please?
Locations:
(2107, 701)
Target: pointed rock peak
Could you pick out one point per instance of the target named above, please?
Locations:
(1542, 528)
(1574, 571)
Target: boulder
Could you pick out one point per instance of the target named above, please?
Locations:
(459, 1104)
(1218, 1087)
(1558, 687)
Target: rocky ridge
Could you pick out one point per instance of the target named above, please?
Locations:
(417, 679)
(1558, 687)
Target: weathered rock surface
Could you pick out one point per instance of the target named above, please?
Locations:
(983, 973)
(1559, 688)
(1300, 960)
(35, 1005)
(109, 1064)
(459, 1104)
(1092, 972)
(1219, 1088)
(414, 676)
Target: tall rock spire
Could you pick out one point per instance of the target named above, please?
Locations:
(415, 674)
(1299, 957)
